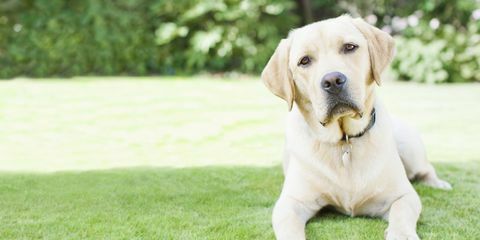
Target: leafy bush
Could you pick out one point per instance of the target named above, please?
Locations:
(222, 35)
(437, 40)
(446, 54)
(56, 37)
(43, 38)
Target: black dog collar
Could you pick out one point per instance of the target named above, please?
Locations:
(346, 137)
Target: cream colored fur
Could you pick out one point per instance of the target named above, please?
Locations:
(376, 180)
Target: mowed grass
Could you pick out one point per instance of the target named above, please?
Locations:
(192, 158)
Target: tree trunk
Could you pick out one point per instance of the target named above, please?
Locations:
(307, 11)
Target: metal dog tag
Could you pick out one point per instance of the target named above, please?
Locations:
(346, 149)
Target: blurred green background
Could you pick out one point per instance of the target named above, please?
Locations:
(438, 40)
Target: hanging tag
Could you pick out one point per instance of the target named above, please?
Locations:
(346, 149)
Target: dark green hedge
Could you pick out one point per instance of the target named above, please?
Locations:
(42, 38)
(57, 37)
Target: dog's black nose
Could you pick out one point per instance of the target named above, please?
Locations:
(333, 82)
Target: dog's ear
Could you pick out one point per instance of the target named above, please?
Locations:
(277, 76)
(381, 47)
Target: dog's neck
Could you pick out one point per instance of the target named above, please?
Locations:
(370, 124)
(337, 130)
(356, 127)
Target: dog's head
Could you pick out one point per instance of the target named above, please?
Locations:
(329, 67)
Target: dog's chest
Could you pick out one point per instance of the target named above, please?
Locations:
(350, 166)
(354, 203)
(353, 188)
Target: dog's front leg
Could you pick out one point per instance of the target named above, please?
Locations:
(402, 218)
(290, 216)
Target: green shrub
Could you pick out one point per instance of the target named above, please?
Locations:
(222, 35)
(447, 54)
(56, 37)
(42, 38)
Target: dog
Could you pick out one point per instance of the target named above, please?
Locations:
(342, 148)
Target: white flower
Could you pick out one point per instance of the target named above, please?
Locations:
(412, 20)
(434, 23)
(17, 27)
(387, 29)
(476, 14)
(399, 23)
(372, 19)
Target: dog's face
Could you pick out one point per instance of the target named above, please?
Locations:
(329, 67)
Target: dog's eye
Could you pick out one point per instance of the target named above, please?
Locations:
(304, 61)
(349, 47)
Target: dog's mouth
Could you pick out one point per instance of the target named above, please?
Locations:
(339, 108)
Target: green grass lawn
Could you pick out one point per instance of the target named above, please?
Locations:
(192, 158)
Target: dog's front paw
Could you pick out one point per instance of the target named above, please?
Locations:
(394, 235)
(438, 183)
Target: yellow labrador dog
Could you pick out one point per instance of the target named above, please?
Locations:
(342, 148)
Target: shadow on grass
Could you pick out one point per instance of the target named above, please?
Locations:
(203, 203)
